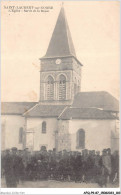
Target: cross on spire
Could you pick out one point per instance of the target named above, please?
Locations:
(62, 4)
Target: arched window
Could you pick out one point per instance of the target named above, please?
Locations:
(43, 127)
(21, 135)
(62, 87)
(50, 88)
(80, 139)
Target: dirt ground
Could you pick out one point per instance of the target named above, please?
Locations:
(56, 184)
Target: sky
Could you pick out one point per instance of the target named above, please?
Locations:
(25, 36)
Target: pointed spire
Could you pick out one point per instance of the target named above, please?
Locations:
(62, 4)
(61, 44)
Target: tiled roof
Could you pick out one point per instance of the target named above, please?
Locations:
(61, 43)
(99, 99)
(16, 107)
(45, 111)
(85, 105)
(86, 113)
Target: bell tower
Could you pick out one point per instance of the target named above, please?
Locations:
(60, 75)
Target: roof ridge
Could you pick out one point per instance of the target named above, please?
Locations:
(66, 27)
(69, 39)
(86, 114)
(18, 102)
(30, 109)
(94, 92)
(84, 107)
(63, 111)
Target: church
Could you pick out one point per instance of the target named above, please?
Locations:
(64, 117)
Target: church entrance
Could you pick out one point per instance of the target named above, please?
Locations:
(30, 139)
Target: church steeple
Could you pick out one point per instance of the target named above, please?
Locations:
(61, 44)
(60, 75)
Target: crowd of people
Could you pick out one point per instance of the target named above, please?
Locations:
(86, 166)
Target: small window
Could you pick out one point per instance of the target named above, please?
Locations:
(21, 135)
(43, 127)
(80, 139)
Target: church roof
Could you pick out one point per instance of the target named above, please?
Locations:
(99, 99)
(45, 111)
(16, 108)
(86, 113)
(86, 105)
(61, 44)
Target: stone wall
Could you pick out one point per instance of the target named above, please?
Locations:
(63, 139)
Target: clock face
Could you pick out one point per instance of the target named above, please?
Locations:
(58, 61)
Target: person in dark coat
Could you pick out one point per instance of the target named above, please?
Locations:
(21, 167)
(78, 168)
(15, 166)
(11, 168)
(7, 166)
(97, 166)
(102, 180)
(2, 163)
(90, 166)
(115, 167)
